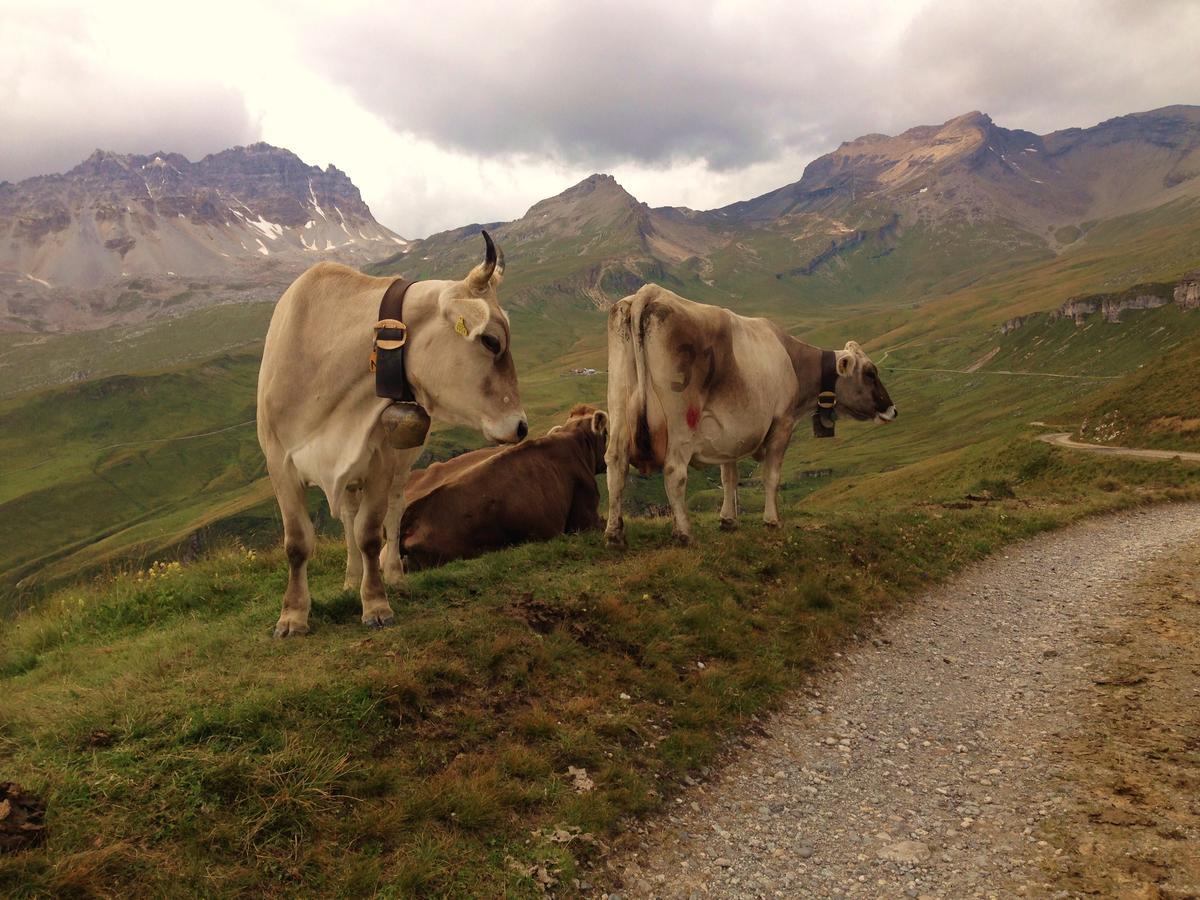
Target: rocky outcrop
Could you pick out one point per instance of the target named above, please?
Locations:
(1077, 310)
(1186, 295)
(1013, 324)
(1110, 306)
(1187, 292)
(1113, 307)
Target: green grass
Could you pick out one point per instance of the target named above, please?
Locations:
(425, 759)
(33, 361)
(1157, 405)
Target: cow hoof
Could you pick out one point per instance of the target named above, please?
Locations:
(379, 620)
(683, 540)
(774, 524)
(289, 629)
(729, 524)
(616, 541)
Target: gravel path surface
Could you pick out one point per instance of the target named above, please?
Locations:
(929, 761)
(1063, 439)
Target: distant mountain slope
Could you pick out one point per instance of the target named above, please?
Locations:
(971, 167)
(881, 220)
(583, 247)
(118, 234)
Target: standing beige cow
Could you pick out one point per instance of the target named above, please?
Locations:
(690, 383)
(319, 417)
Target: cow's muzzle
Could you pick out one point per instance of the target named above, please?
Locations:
(510, 431)
(887, 415)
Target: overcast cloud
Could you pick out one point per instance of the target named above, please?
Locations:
(457, 112)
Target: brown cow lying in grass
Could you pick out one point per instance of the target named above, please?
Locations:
(499, 496)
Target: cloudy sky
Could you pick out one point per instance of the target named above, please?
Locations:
(455, 112)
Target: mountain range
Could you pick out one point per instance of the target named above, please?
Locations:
(905, 215)
(885, 220)
(123, 237)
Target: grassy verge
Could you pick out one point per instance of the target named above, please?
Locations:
(1157, 405)
(180, 749)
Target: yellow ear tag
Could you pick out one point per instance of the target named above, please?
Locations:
(461, 326)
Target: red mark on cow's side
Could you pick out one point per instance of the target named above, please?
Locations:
(693, 417)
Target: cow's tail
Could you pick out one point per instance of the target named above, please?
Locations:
(643, 440)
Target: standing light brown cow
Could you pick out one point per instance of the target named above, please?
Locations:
(690, 383)
(319, 416)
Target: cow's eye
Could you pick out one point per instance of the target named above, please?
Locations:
(492, 344)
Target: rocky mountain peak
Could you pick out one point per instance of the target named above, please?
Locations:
(597, 186)
(247, 215)
(596, 201)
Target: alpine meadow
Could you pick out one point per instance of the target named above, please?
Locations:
(555, 717)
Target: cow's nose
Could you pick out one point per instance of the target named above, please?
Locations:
(522, 430)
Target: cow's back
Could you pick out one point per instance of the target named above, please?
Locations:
(426, 480)
(513, 494)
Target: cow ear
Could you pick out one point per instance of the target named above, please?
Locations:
(466, 315)
(845, 362)
(600, 422)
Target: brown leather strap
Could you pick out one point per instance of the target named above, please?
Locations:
(391, 380)
(825, 414)
(392, 305)
(829, 372)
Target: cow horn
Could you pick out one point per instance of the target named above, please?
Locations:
(481, 275)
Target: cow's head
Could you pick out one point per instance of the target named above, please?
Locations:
(460, 362)
(860, 393)
(591, 424)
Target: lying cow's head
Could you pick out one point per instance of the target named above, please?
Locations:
(860, 393)
(593, 423)
(459, 358)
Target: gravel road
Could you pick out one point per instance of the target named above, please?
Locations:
(942, 756)
(1063, 439)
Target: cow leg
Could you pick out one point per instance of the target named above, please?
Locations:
(393, 565)
(368, 532)
(777, 444)
(299, 540)
(351, 500)
(617, 459)
(729, 502)
(675, 473)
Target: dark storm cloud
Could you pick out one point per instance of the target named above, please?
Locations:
(63, 94)
(735, 84)
(587, 82)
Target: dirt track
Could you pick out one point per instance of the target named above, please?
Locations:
(1032, 728)
(1064, 440)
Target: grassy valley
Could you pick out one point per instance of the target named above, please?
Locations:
(436, 757)
(529, 705)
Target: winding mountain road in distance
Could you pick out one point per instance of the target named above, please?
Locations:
(1063, 439)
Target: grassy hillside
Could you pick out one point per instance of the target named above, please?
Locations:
(34, 361)
(125, 457)
(1157, 405)
(72, 501)
(441, 757)
(523, 707)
